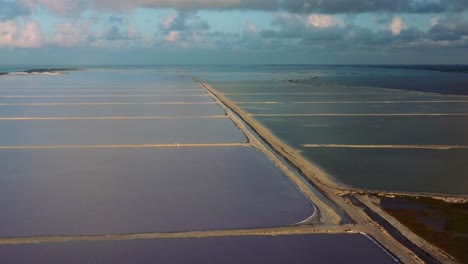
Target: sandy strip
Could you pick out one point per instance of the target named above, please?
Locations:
(101, 95)
(172, 145)
(312, 115)
(322, 182)
(439, 147)
(437, 253)
(339, 93)
(358, 102)
(155, 103)
(58, 85)
(382, 102)
(103, 90)
(108, 117)
(292, 230)
(260, 102)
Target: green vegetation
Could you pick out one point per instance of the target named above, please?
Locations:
(441, 223)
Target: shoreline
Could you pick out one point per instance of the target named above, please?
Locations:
(40, 71)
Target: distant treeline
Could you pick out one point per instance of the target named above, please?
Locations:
(45, 70)
(439, 68)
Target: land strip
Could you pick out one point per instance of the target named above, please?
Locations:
(100, 95)
(108, 117)
(439, 147)
(104, 103)
(321, 181)
(312, 115)
(102, 90)
(299, 93)
(173, 145)
(360, 102)
(292, 230)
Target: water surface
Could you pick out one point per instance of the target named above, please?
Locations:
(45, 192)
(119, 132)
(317, 248)
(404, 170)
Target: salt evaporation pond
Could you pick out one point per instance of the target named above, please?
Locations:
(395, 94)
(404, 170)
(119, 191)
(176, 110)
(316, 248)
(119, 132)
(370, 130)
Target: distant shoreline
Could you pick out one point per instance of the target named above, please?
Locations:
(49, 71)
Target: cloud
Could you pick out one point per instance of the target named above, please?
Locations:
(363, 6)
(327, 32)
(449, 29)
(172, 36)
(74, 7)
(70, 34)
(434, 21)
(312, 27)
(185, 29)
(324, 21)
(397, 25)
(12, 9)
(17, 34)
(114, 33)
(62, 7)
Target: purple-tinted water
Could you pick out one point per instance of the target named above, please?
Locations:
(306, 249)
(119, 132)
(117, 191)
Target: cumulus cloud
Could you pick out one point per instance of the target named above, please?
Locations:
(17, 34)
(449, 29)
(324, 21)
(362, 6)
(70, 34)
(172, 36)
(62, 7)
(185, 29)
(328, 32)
(397, 25)
(308, 27)
(72, 7)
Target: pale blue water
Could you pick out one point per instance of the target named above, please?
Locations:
(362, 90)
(333, 90)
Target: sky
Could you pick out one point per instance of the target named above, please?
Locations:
(233, 32)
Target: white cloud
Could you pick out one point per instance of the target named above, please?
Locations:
(324, 21)
(166, 23)
(15, 34)
(7, 32)
(397, 25)
(31, 36)
(172, 36)
(60, 7)
(434, 21)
